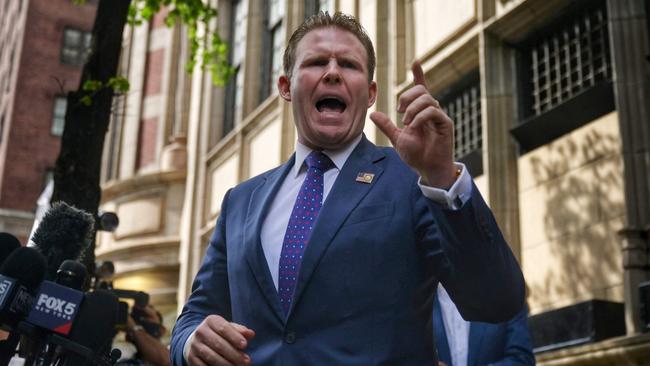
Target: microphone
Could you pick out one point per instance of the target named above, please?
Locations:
(68, 327)
(64, 233)
(20, 275)
(8, 243)
(57, 303)
(55, 307)
(94, 328)
(71, 274)
(54, 311)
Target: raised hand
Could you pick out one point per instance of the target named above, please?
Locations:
(426, 143)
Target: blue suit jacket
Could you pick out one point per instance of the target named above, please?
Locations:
(365, 289)
(502, 344)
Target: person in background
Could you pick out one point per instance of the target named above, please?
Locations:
(463, 343)
(145, 336)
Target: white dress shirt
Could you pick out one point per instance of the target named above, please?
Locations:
(276, 220)
(456, 329)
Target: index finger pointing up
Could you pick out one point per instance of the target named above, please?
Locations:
(418, 74)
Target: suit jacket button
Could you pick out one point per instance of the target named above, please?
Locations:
(290, 337)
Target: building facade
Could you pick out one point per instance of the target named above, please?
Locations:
(550, 103)
(44, 45)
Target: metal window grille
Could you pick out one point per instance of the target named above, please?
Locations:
(463, 106)
(570, 59)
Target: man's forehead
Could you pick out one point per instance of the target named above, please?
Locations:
(309, 41)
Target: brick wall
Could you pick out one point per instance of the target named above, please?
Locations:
(31, 148)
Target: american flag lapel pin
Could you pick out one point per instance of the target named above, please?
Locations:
(364, 177)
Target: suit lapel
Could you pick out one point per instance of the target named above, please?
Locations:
(259, 204)
(345, 195)
(476, 331)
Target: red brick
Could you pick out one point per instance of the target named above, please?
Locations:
(154, 72)
(147, 142)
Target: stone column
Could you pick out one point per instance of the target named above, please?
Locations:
(628, 33)
(498, 100)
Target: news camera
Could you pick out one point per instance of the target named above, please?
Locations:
(103, 279)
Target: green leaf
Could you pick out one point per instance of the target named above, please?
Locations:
(92, 85)
(119, 84)
(146, 13)
(86, 100)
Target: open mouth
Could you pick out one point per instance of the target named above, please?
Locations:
(331, 104)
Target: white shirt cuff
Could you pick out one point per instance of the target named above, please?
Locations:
(186, 347)
(454, 198)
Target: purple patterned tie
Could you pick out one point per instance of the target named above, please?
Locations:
(305, 211)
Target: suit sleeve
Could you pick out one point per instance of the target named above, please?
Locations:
(469, 255)
(518, 349)
(210, 290)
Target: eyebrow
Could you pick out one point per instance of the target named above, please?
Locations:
(309, 55)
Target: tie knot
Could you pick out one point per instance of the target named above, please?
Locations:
(318, 160)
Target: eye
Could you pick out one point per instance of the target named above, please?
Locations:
(318, 62)
(347, 64)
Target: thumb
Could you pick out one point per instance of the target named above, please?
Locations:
(386, 126)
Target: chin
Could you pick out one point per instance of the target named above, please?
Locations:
(333, 142)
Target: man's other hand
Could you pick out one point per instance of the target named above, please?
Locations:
(217, 341)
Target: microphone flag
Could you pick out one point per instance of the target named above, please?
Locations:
(55, 307)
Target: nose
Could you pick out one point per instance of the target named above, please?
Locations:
(332, 73)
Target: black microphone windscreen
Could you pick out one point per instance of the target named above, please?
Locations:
(72, 274)
(27, 266)
(64, 233)
(94, 326)
(8, 243)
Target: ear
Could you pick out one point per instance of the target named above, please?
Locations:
(372, 93)
(284, 87)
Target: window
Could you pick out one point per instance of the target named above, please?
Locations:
(314, 6)
(235, 87)
(58, 116)
(76, 45)
(273, 46)
(462, 103)
(566, 76)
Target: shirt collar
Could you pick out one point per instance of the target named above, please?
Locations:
(338, 157)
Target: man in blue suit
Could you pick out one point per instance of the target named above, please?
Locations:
(463, 343)
(333, 257)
